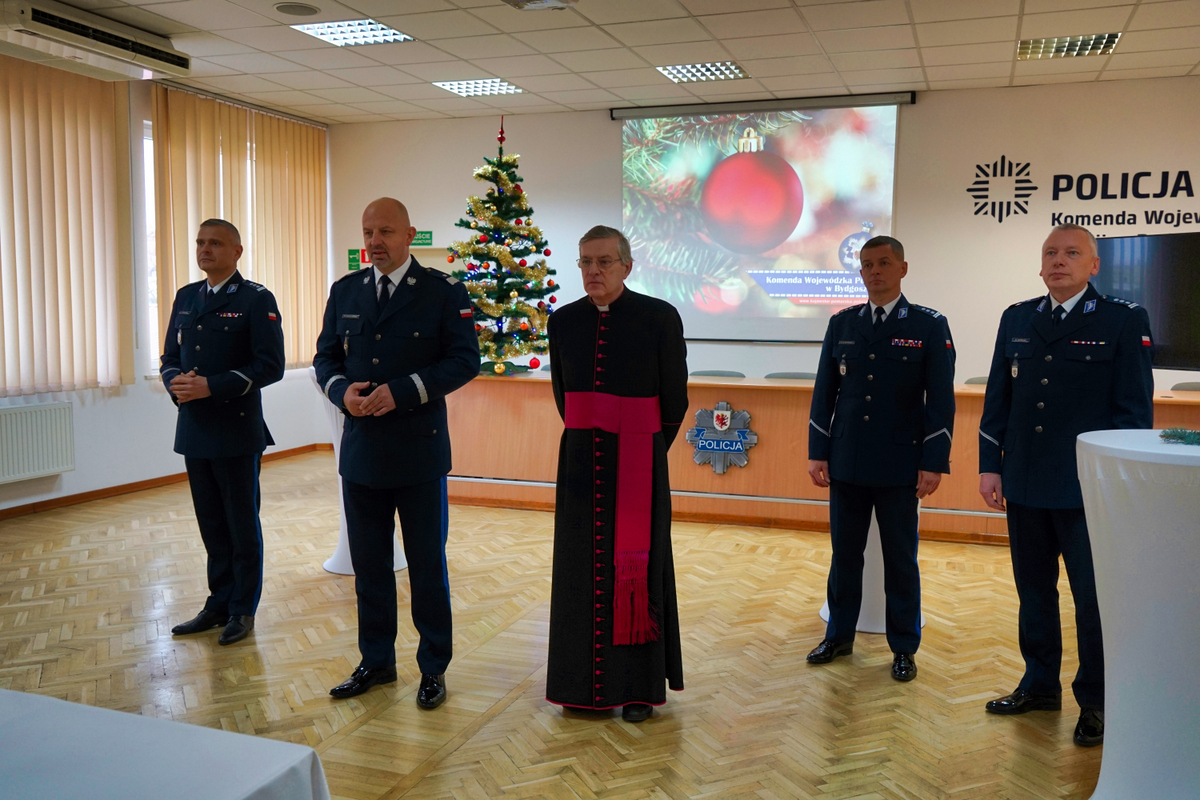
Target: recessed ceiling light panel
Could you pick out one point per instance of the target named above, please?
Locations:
(353, 32)
(710, 71)
(478, 88)
(1092, 44)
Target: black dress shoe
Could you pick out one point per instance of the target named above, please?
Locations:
(238, 628)
(828, 650)
(636, 712)
(904, 667)
(1021, 701)
(363, 679)
(432, 692)
(1089, 731)
(204, 621)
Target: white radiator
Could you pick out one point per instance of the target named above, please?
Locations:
(35, 441)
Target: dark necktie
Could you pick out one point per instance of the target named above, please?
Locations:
(1058, 315)
(209, 295)
(879, 315)
(384, 295)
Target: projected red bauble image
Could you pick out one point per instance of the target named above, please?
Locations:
(751, 202)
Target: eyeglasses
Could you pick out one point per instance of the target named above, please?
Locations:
(604, 264)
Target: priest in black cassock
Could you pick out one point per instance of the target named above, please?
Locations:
(618, 362)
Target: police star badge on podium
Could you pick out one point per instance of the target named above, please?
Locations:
(722, 437)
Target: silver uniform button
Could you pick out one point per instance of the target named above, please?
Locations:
(416, 333)
(870, 377)
(226, 327)
(242, 414)
(197, 347)
(1045, 381)
(201, 327)
(904, 358)
(868, 398)
(1087, 358)
(1038, 429)
(374, 360)
(872, 356)
(1041, 405)
(1049, 358)
(866, 419)
(435, 430)
(378, 337)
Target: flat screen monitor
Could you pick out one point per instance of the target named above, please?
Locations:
(750, 223)
(1161, 273)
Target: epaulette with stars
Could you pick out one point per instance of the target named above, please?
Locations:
(257, 286)
(849, 308)
(929, 311)
(1118, 301)
(450, 279)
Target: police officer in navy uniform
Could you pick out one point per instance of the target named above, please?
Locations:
(879, 437)
(1065, 363)
(224, 343)
(396, 340)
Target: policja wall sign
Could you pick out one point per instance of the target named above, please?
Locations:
(722, 437)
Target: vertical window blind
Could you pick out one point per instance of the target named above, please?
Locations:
(263, 173)
(66, 307)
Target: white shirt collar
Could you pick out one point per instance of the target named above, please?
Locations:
(1068, 304)
(217, 288)
(395, 275)
(887, 309)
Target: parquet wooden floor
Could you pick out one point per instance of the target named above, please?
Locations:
(88, 595)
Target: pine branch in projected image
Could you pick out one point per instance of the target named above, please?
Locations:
(678, 271)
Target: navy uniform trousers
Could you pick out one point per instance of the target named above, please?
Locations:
(424, 525)
(1047, 384)
(227, 499)
(883, 408)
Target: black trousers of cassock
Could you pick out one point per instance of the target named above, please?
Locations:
(424, 523)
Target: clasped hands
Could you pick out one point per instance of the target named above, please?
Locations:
(927, 482)
(375, 404)
(190, 386)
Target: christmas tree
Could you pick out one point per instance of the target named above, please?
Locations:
(505, 268)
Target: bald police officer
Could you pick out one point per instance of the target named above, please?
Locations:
(396, 339)
(879, 437)
(224, 343)
(1065, 363)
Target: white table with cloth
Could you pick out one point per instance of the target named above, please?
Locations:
(55, 750)
(1142, 499)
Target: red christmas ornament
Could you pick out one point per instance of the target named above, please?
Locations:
(478, 327)
(449, 259)
(500, 138)
(482, 239)
(751, 202)
(534, 363)
(524, 326)
(517, 188)
(518, 222)
(522, 262)
(553, 299)
(550, 283)
(545, 252)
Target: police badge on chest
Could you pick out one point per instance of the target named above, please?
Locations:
(1014, 368)
(842, 367)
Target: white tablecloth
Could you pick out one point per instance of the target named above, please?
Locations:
(1142, 499)
(54, 750)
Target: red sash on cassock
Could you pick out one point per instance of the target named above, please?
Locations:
(635, 420)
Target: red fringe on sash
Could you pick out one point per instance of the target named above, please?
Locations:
(633, 619)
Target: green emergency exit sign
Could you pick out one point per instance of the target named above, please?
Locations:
(423, 239)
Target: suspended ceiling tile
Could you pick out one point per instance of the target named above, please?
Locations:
(387, 107)
(736, 98)
(257, 63)
(352, 94)
(837, 16)
(1165, 15)
(477, 47)
(203, 45)
(615, 11)
(877, 76)
(881, 88)
(307, 80)
(522, 100)
(580, 96)
(275, 38)
(944, 10)
(520, 66)
(206, 69)
(328, 11)
(210, 15)
(789, 83)
(510, 20)
(776, 67)
(958, 72)
(1075, 23)
(241, 83)
(595, 60)
(975, 83)
(703, 7)
(553, 83)
(754, 23)
(667, 31)
(329, 58)
(377, 8)
(1045, 6)
(1147, 72)
(993, 29)
(788, 44)
(451, 103)
(667, 55)
(969, 53)
(448, 71)
(401, 53)
(1170, 39)
(889, 38)
(743, 86)
(438, 25)
(877, 59)
(286, 97)
(414, 91)
(1159, 58)
(1059, 66)
(645, 76)
(360, 119)
(374, 76)
(1066, 77)
(567, 40)
(425, 114)
(671, 92)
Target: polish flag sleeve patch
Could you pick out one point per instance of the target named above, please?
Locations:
(1146, 341)
(271, 315)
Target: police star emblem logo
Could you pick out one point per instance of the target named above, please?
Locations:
(721, 437)
(1002, 188)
